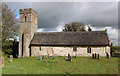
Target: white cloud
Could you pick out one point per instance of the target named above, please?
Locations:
(86, 27)
(60, 0)
(40, 29)
(60, 27)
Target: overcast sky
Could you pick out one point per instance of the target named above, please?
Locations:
(53, 15)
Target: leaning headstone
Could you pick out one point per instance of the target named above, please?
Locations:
(107, 55)
(98, 56)
(11, 58)
(2, 60)
(93, 56)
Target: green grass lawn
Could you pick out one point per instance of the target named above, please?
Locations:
(79, 65)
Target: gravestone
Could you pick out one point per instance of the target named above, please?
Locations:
(48, 56)
(98, 56)
(107, 55)
(22, 56)
(53, 58)
(2, 61)
(93, 56)
(64, 56)
(11, 58)
(69, 57)
(43, 57)
(40, 58)
(112, 54)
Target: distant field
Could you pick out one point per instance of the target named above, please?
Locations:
(79, 65)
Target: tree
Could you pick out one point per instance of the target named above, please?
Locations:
(0, 23)
(74, 26)
(9, 23)
(9, 28)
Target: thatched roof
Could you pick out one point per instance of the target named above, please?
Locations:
(70, 38)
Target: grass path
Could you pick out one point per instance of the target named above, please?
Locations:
(79, 65)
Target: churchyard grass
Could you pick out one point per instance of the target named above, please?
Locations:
(79, 65)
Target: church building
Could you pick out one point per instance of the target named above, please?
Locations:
(33, 43)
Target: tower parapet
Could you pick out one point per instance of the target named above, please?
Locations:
(30, 10)
(28, 15)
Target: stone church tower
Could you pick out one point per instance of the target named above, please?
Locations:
(27, 28)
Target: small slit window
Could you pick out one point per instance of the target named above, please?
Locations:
(89, 50)
(40, 48)
(25, 18)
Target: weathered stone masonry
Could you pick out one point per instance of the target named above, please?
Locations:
(32, 43)
(63, 51)
(27, 28)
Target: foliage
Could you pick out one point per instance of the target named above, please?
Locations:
(7, 48)
(9, 51)
(111, 47)
(79, 65)
(74, 26)
(9, 28)
(115, 49)
(7, 45)
(5, 55)
(9, 23)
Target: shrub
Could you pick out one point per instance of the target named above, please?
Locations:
(5, 55)
(9, 51)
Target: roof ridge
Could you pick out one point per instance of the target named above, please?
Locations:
(71, 32)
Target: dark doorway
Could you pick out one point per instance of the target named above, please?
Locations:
(15, 49)
(22, 43)
(30, 51)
